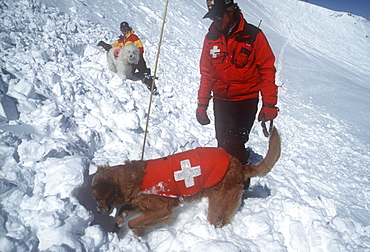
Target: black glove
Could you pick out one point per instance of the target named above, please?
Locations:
(106, 46)
(102, 44)
(201, 115)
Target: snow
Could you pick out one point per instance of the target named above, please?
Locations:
(63, 113)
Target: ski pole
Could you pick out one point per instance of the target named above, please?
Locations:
(155, 74)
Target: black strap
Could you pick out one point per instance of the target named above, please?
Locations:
(249, 34)
(264, 128)
(263, 121)
(270, 106)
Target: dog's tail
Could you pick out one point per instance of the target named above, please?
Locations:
(269, 161)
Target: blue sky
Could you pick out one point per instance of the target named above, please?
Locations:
(358, 7)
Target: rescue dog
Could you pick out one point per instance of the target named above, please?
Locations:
(155, 197)
(123, 61)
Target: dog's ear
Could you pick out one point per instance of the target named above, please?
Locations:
(134, 177)
(102, 188)
(99, 178)
(132, 186)
(97, 183)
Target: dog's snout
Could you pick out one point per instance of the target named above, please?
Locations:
(100, 210)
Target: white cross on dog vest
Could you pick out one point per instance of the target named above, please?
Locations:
(185, 174)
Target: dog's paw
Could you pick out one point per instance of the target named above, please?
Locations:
(139, 231)
(123, 77)
(120, 220)
(113, 69)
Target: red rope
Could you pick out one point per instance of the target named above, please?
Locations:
(97, 52)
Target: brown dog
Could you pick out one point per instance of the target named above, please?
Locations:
(155, 197)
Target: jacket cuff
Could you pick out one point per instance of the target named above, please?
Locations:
(270, 100)
(203, 102)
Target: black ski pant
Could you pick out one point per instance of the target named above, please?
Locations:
(233, 123)
(141, 68)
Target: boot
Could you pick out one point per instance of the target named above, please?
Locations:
(147, 80)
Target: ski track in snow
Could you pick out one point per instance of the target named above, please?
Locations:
(74, 115)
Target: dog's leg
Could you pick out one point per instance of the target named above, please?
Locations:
(121, 69)
(223, 204)
(225, 197)
(111, 66)
(125, 211)
(122, 76)
(155, 209)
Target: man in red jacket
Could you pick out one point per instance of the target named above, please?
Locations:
(236, 66)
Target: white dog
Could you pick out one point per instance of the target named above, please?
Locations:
(125, 63)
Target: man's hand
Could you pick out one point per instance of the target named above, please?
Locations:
(269, 112)
(201, 114)
(106, 46)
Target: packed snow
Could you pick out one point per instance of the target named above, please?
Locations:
(63, 113)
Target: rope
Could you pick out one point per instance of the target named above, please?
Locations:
(97, 52)
(153, 79)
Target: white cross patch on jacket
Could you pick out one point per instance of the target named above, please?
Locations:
(187, 173)
(214, 51)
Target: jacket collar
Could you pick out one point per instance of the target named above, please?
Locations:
(129, 33)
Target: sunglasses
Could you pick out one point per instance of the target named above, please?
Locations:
(218, 17)
(221, 16)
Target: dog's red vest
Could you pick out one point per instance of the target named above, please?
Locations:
(185, 174)
(115, 53)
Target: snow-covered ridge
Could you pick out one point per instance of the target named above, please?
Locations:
(63, 113)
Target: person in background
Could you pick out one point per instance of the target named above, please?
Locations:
(128, 37)
(236, 67)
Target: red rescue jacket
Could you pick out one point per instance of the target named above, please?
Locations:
(235, 68)
(186, 173)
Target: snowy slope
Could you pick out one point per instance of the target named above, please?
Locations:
(63, 113)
